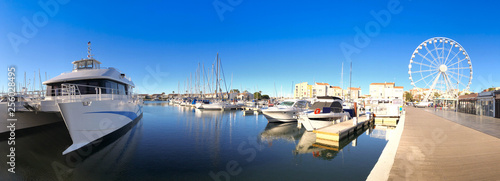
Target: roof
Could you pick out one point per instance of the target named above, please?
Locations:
(319, 83)
(398, 87)
(469, 96)
(355, 88)
(110, 74)
(387, 83)
(336, 87)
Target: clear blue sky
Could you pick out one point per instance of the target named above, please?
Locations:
(261, 43)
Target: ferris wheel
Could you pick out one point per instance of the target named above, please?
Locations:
(440, 65)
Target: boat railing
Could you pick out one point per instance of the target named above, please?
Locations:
(74, 93)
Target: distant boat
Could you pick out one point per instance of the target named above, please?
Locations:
(93, 101)
(286, 111)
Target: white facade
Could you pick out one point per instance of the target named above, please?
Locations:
(320, 89)
(386, 91)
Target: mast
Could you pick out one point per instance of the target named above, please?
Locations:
(217, 75)
(342, 81)
(350, 81)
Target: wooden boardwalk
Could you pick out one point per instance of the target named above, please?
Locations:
(434, 148)
(341, 130)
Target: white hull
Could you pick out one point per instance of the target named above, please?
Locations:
(279, 115)
(219, 106)
(199, 105)
(312, 121)
(88, 123)
(26, 119)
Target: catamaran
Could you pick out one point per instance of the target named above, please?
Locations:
(93, 101)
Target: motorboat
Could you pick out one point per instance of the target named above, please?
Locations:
(93, 101)
(325, 111)
(286, 111)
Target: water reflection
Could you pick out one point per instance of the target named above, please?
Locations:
(38, 155)
(325, 149)
(281, 131)
(182, 143)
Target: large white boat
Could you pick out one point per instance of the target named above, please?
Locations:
(286, 111)
(93, 101)
(324, 112)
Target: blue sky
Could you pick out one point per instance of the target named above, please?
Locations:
(261, 43)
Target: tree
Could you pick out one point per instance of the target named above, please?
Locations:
(436, 95)
(408, 97)
(257, 95)
(265, 96)
(419, 98)
(234, 91)
(491, 89)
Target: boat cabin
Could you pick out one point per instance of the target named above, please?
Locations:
(86, 64)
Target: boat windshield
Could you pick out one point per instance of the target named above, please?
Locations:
(287, 103)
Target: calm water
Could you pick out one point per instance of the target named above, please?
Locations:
(178, 143)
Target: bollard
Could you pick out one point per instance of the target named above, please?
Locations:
(354, 121)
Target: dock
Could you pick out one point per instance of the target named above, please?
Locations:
(342, 130)
(441, 146)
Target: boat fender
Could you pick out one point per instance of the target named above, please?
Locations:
(317, 111)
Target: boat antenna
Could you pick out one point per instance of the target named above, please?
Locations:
(89, 56)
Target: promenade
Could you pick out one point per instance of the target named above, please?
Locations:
(445, 145)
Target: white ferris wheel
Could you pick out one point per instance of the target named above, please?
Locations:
(440, 65)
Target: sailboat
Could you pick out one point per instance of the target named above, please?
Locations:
(219, 103)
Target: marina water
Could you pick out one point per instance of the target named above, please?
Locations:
(180, 143)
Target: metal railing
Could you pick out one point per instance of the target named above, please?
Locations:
(72, 93)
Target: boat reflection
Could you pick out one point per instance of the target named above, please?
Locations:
(281, 131)
(39, 155)
(325, 149)
(156, 103)
(384, 130)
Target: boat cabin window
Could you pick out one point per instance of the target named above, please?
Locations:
(301, 104)
(86, 64)
(91, 87)
(286, 103)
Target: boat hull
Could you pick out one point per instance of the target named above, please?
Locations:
(26, 119)
(276, 116)
(312, 121)
(87, 123)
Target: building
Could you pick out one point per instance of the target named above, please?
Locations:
(320, 89)
(386, 91)
(467, 103)
(352, 93)
(334, 91)
(302, 90)
(483, 104)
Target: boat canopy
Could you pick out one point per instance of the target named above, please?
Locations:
(336, 106)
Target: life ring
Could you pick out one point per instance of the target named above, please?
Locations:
(317, 111)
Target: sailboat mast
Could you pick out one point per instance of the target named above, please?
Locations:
(217, 75)
(342, 81)
(350, 82)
